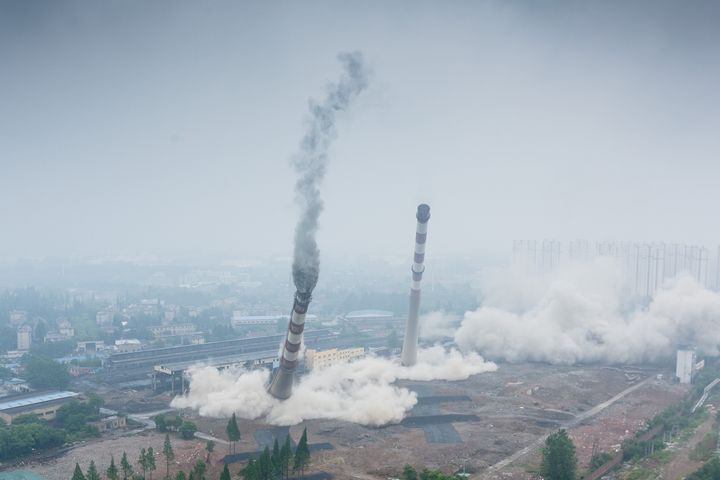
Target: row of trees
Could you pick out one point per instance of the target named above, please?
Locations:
(146, 464)
(280, 462)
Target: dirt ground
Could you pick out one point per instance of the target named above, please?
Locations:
(503, 412)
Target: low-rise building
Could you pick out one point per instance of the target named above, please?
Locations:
(24, 337)
(172, 329)
(43, 404)
(14, 385)
(90, 346)
(128, 345)
(315, 359)
(110, 423)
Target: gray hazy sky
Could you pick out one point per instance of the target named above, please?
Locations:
(166, 127)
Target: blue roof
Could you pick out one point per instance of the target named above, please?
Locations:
(27, 400)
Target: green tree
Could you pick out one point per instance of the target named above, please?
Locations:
(112, 471)
(599, 459)
(265, 464)
(150, 461)
(198, 471)
(142, 461)
(169, 455)
(409, 473)
(225, 475)
(78, 474)
(233, 432)
(92, 473)
(302, 455)
(46, 373)
(187, 430)
(250, 471)
(709, 471)
(176, 423)
(160, 423)
(285, 457)
(180, 475)
(126, 466)
(558, 457)
(275, 460)
(209, 446)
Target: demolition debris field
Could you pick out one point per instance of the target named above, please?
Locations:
(473, 424)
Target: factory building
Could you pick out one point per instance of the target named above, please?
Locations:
(43, 404)
(318, 359)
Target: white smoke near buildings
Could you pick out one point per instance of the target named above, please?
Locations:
(583, 313)
(362, 391)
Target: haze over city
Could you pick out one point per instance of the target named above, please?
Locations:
(359, 240)
(167, 128)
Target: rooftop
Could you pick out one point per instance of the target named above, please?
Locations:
(35, 398)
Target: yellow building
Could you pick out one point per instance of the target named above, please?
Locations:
(326, 358)
(43, 404)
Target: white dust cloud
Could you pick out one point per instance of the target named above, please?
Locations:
(581, 314)
(362, 391)
(438, 324)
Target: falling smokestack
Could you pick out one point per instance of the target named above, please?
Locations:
(310, 164)
(282, 381)
(410, 344)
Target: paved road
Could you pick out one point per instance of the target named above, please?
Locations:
(486, 475)
(205, 436)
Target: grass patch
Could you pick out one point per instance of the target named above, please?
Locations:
(662, 456)
(640, 473)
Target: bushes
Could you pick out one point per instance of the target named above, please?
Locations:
(187, 430)
(22, 439)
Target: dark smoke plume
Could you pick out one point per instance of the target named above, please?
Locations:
(310, 164)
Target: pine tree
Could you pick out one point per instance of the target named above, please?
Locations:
(250, 471)
(92, 473)
(275, 460)
(225, 475)
(126, 467)
(285, 456)
(233, 432)
(198, 471)
(209, 446)
(78, 474)
(142, 461)
(302, 454)
(150, 461)
(558, 457)
(265, 465)
(169, 455)
(180, 475)
(112, 471)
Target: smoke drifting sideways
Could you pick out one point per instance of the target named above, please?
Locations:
(311, 163)
(361, 392)
(584, 313)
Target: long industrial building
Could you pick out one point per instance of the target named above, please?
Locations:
(140, 364)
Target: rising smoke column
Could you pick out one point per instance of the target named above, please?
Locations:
(310, 164)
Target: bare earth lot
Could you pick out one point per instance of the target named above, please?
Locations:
(473, 423)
